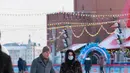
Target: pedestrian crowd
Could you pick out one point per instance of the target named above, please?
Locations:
(43, 64)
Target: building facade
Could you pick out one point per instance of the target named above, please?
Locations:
(100, 6)
(27, 52)
(85, 11)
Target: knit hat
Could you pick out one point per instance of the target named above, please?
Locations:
(45, 49)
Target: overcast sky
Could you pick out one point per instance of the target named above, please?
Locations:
(17, 28)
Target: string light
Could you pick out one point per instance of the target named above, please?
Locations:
(93, 15)
(82, 32)
(75, 34)
(22, 14)
(85, 30)
(86, 24)
(106, 30)
(71, 13)
(93, 35)
(73, 24)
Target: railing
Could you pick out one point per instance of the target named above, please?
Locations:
(111, 68)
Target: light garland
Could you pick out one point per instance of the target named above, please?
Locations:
(85, 29)
(82, 32)
(75, 34)
(106, 30)
(22, 14)
(92, 15)
(93, 35)
(86, 24)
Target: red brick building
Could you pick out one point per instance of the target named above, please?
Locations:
(100, 6)
(83, 10)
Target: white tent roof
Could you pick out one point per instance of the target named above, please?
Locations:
(75, 46)
(110, 42)
(107, 42)
(127, 44)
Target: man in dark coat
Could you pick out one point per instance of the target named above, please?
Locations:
(5, 62)
(87, 64)
(21, 65)
(42, 64)
(70, 65)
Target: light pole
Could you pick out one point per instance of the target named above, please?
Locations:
(53, 45)
(62, 56)
(120, 36)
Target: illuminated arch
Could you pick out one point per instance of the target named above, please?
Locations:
(93, 47)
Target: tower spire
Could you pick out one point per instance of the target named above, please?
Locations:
(29, 41)
(29, 36)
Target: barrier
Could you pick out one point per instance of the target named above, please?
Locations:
(113, 68)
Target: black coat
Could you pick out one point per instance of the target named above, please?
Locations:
(87, 65)
(21, 64)
(5, 63)
(74, 68)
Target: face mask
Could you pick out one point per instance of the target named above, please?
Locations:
(70, 57)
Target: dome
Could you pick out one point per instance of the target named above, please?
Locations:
(5, 50)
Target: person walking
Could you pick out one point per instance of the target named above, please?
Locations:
(21, 65)
(102, 63)
(70, 65)
(42, 64)
(87, 64)
(5, 62)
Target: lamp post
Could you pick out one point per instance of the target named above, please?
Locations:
(120, 36)
(62, 56)
(53, 45)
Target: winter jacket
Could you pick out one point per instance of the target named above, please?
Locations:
(38, 66)
(20, 64)
(5, 63)
(74, 68)
(87, 64)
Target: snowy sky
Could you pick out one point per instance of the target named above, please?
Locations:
(17, 28)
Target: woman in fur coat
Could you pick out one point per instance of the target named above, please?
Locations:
(70, 65)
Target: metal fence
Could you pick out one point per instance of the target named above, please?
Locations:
(113, 68)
